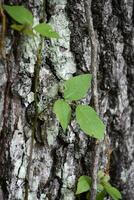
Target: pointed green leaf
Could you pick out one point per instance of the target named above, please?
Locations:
(46, 30)
(63, 112)
(89, 121)
(77, 87)
(112, 191)
(19, 14)
(84, 184)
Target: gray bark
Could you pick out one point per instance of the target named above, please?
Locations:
(60, 158)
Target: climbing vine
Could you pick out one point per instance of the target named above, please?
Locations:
(104, 188)
(74, 90)
(23, 23)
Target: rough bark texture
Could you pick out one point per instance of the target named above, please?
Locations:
(59, 159)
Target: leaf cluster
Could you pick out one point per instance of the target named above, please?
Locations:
(103, 188)
(75, 89)
(23, 22)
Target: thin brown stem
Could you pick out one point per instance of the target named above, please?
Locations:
(94, 68)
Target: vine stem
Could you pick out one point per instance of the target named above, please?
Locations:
(36, 88)
(94, 68)
(34, 127)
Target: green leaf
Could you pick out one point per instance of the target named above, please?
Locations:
(46, 30)
(63, 112)
(100, 187)
(103, 177)
(89, 121)
(84, 184)
(101, 174)
(22, 28)
(77, 87)
(106, 178)
(28, 32)
(17, 27)
(19, 14)
(101, 195)
(112, 191)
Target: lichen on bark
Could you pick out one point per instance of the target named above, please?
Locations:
(60, 158)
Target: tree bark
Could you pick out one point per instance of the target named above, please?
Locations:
(60, 158)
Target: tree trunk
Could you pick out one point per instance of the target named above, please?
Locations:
(60, 158)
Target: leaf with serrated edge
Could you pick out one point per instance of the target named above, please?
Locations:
(90, 122)
(20, 14)
(63, 112)
(77, 87)
(46, 30)
(84, 183)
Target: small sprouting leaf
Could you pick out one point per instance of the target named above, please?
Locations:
(112, 191)
(77, 87)
(106, 178)
(46, 30)
(103, 177)
(83, 185)
(24, 29)
(63, 112)
(17, 27)
(19, 14)
(89, 121)
(101, 174)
